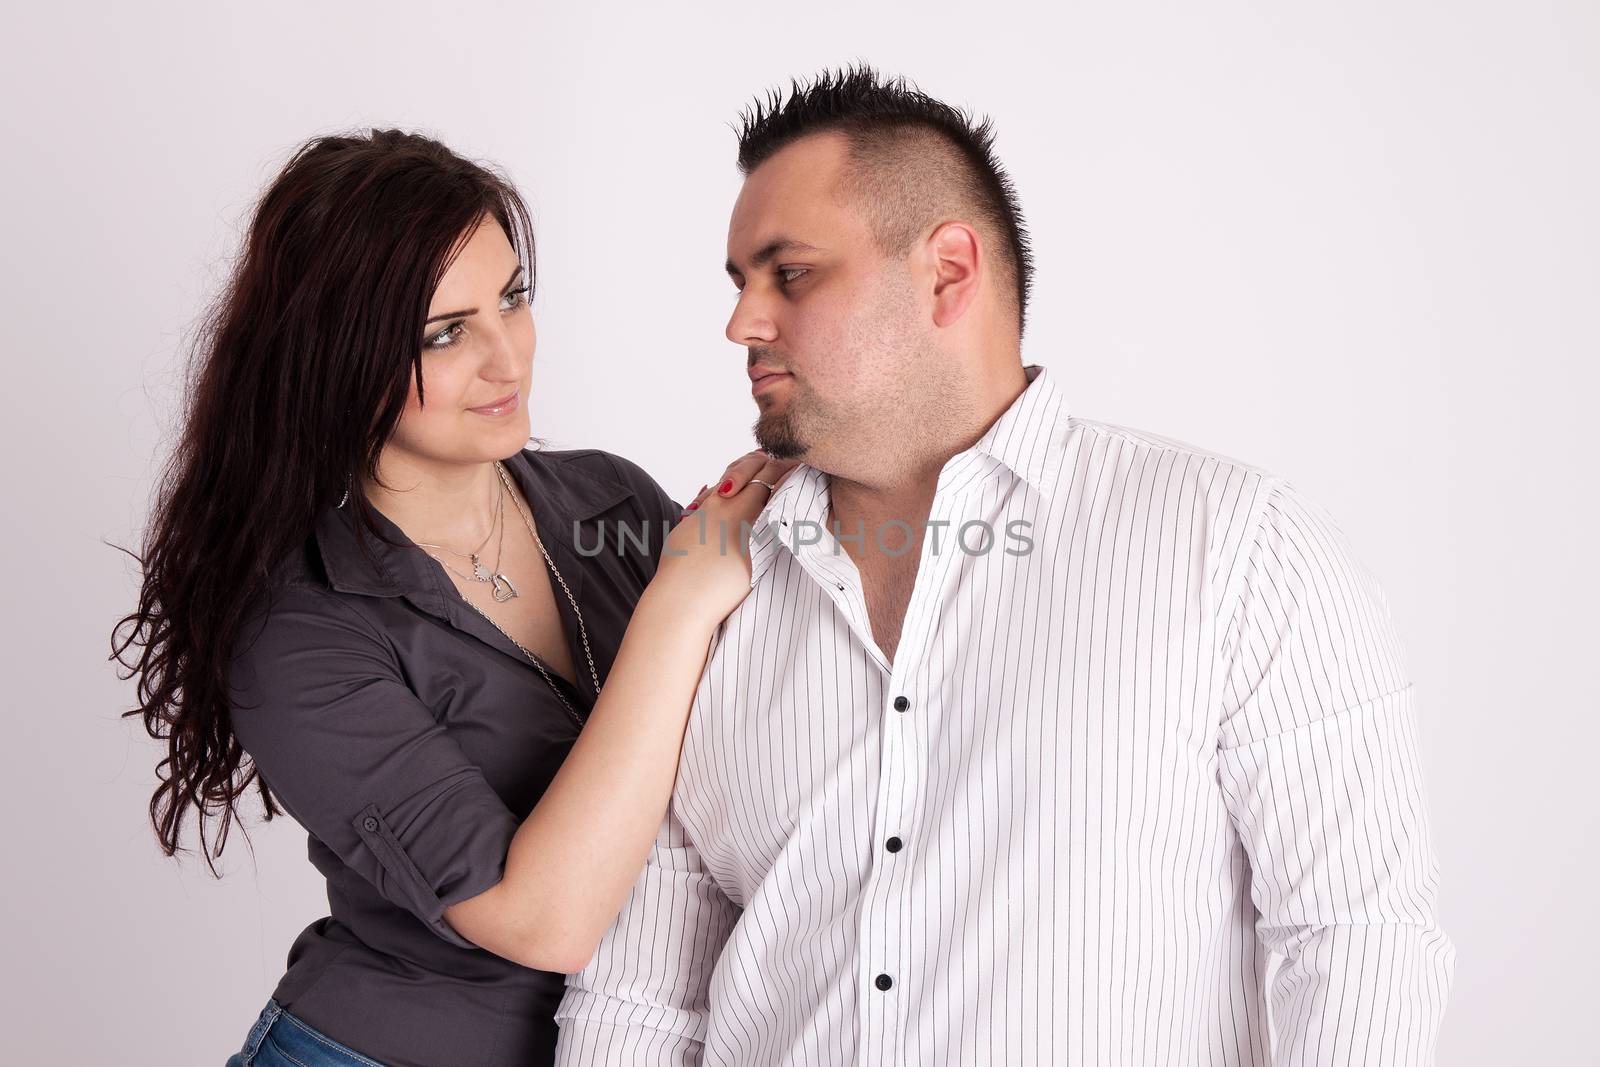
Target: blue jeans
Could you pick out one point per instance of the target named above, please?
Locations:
(278, 1039)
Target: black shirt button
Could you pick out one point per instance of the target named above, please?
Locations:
(370, 824)
(883, 981)
(901, 703)
(894, 844)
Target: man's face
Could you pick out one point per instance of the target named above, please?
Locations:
(822, 307)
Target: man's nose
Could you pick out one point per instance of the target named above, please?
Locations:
(750, 323)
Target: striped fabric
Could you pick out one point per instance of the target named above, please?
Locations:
(1146, 793)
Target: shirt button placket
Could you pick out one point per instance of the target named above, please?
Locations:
(898, 786)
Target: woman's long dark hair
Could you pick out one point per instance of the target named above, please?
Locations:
(301, 371)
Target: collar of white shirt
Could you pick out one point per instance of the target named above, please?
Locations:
(1028, 439)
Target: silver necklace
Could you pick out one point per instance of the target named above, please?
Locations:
(583, 634)
(503, 589)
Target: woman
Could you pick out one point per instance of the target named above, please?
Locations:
(364, 596)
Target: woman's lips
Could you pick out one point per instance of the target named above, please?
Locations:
(504, 406)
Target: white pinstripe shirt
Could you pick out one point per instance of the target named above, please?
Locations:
(1170, 743)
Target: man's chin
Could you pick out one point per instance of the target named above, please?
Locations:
(775, 435)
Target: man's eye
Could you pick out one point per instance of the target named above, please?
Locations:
(790, 274)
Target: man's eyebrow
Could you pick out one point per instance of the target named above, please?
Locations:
(771, 250)
(473, 311)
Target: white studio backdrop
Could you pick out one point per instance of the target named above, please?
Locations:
(1353, 243)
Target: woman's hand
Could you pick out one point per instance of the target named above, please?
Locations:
(705, 565)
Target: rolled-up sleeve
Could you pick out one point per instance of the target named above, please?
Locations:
(321, 707)
(1320, 770)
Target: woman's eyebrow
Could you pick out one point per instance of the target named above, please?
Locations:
(473, 311)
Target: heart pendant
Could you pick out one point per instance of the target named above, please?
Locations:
(503, 589)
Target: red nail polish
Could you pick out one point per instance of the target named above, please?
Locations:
(725, 486)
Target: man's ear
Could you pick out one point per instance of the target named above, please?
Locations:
(957, 259)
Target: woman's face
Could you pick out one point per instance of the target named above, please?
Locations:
(477, 359)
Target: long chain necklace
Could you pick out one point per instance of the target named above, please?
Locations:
(503, 589)
(583, 634)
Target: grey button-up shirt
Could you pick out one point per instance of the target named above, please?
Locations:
(410, 738)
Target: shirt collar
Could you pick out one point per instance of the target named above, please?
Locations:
(1029, 439)
(1030, 436)
(559, 495)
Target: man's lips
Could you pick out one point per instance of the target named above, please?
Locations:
(761, 377)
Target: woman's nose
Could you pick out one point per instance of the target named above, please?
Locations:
(504, 357)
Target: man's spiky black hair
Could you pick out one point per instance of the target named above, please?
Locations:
(893, 127)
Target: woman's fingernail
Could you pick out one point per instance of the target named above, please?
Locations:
(691, 507)
(725, 486)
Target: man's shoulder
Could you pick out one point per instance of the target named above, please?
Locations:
(1140, 438)
(1219, 497)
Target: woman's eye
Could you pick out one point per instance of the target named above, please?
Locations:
(447, 336)
(452, 333)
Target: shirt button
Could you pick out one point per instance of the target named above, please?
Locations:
(901, 703)
(883, 981)
(894, 844)
(369, 823)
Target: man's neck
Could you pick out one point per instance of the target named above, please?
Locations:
(901, 485)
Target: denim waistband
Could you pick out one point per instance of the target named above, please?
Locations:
(258, 1032)
(296, 1040)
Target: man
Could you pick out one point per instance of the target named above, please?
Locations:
(1037, 738)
